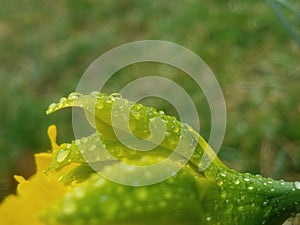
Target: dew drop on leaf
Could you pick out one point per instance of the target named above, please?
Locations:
(136, 115)
(62, 155)
(52, 106)
(77, 142)
(223, 174)
(117, 95)
(270, 181)
(246, 177)
(92, 148)
(84, 140)
(109, 100)
(74, 95)
(119, 151)
(237, 182)
(265, 203)
(62, 100)
(297, 185)
(99, 105)
(175, 128)
(94, 93)
(172, 141)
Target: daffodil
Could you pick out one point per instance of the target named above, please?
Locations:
(33, 195)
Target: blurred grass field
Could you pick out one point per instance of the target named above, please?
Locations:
(45, 47)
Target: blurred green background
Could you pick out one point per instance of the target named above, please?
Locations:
(45, 47)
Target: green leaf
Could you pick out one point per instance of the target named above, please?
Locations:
(216, 195)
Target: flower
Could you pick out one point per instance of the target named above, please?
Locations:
(35, 194)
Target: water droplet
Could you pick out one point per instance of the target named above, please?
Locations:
(119, 151)
(236, 181)
(246, 177)
(175, 128)
(269, 180)
(116, 114)
(99, 105)
(51, 107)
(272, 189)
(77, 142)
(62, 155)
(62, 100)
(136, 114)
(84, 140)
(265, 203)
(250, 188)
(223, 194)
(94, 93)
(219, 181)
(259, 177)
(74, 95)
(161, 113)
(117, 95)
(281, 182)
(223, 174)
(297, 185)
(172, 141)
(109, 100)
(92, 148)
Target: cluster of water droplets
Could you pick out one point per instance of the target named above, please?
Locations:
(140, 116)
(64, 102)
(255, 191)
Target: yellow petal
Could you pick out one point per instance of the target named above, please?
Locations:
(52, 133)
(33, 195)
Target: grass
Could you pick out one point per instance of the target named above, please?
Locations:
(46, 46)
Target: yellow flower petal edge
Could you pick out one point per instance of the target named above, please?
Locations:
(35, 194)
